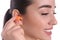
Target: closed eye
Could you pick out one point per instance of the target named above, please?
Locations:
(44, 13)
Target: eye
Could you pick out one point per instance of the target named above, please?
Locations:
(44, 13)
(54, 13)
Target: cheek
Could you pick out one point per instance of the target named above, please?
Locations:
(35, 21)
(34, 25)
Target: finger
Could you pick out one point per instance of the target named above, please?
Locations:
(6, 31)
(19, 23)
(16, 30)
(13, 25)
(18, 33)
(9, 23)
(11, 20)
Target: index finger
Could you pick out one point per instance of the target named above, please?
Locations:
(10, 22)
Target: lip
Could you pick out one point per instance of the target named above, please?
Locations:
(48, 32)
(49, 28)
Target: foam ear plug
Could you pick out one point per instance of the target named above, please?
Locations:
(18, 18)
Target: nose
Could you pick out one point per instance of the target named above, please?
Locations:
(53, 20)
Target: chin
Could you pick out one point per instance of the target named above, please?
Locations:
(46, 37)
(43, 36)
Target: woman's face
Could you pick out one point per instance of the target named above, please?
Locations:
(39, 19)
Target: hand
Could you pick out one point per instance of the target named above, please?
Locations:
(12, 30)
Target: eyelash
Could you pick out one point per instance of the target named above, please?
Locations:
(47, 13)
(54, 13)
(44, 14)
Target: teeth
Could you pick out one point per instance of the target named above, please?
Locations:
(48, 30)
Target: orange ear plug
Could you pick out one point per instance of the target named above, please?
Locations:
(18, 18)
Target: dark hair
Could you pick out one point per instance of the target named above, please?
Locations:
(7, 16)
(21, 5)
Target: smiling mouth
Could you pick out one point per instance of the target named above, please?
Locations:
(48, 31)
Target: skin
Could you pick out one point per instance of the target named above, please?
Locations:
(35, 23)
(36, 20)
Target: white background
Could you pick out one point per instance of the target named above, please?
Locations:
(5, 4)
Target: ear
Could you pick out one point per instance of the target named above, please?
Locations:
(15, 12)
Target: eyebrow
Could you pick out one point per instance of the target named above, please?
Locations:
(46, 6)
